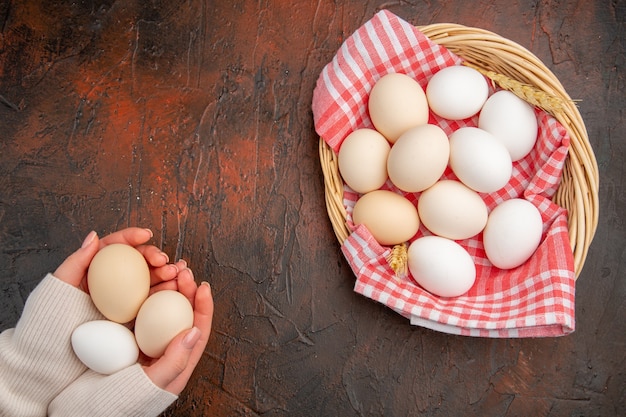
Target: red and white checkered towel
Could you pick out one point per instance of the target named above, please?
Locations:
(535, 299)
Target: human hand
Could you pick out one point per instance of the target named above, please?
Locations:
(74, 269)
(172, 371)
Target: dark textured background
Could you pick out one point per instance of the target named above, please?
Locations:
(193, 119)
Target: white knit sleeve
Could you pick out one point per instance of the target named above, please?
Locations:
(127, 393)
(36, 357)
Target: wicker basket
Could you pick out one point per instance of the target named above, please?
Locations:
(493, 54)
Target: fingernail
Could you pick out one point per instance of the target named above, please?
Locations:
(191, 338)
(191, 273)
(167, 258)
(90, 237)
(150, 231)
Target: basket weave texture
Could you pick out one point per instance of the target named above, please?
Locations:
(497, 56)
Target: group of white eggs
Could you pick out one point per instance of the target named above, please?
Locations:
(413, 155)
(119, 286)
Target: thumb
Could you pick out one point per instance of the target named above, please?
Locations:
(74, 268)
(175, 359)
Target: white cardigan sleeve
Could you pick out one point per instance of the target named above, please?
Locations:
(36, 357)
(40, 374)
(127, 393)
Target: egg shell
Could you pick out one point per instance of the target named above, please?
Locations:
(362, 160)
(418, 158)
(162, 316)
(512, 121)
(104, 346)
(452, 210)
(441, 266)
(513, 233)
(457, 92)
(397, 103)
(390, 217)
(119, 281)
(479, 160)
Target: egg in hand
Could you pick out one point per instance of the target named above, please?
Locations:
(162, 316)
(119, 281)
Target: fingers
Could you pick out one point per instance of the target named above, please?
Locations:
(166, 285)
(74, 269)
(203, 317)
(203, 310)
(160, 269)
(203, 320)
(154, 256)
(173, 370)
(187, 285)
(175, 359)
(133, 236)
(166, 277)
(163, 275)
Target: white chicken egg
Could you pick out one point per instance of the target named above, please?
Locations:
(513, 233)
(362, 160)
(397, 103)
(457, 92)
(512, 121)
(104, 346)
(441, 266)
(452, 210)
(418, 158)
(479, 160)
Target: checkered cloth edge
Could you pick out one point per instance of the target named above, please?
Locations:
(535, 299)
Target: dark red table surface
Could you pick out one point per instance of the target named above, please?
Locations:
(194, 119)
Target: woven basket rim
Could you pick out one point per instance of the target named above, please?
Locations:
(578, 191)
